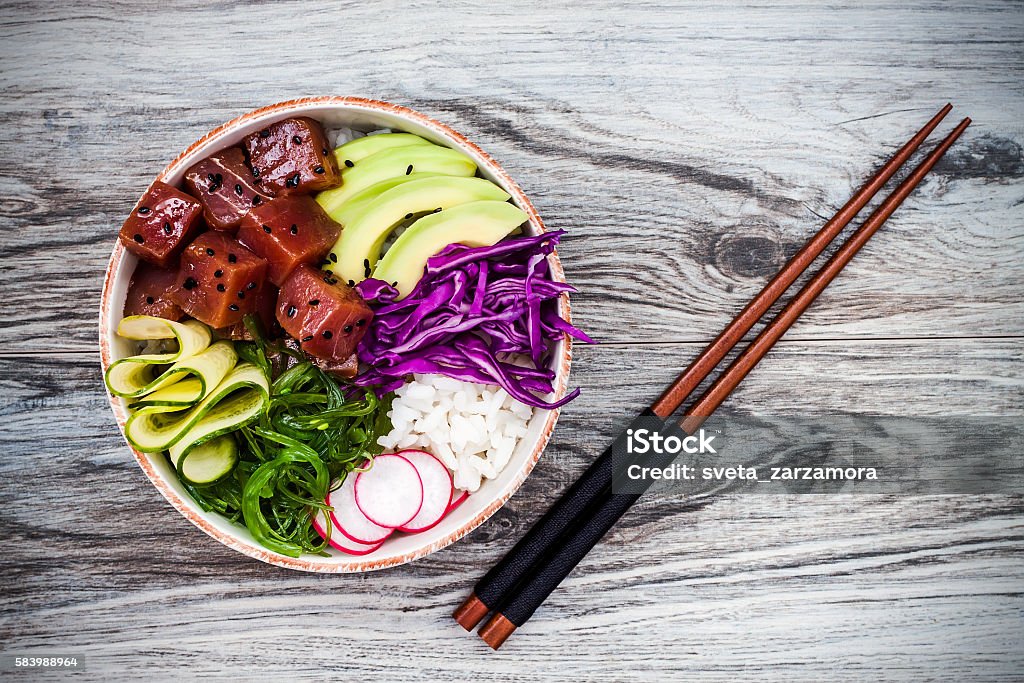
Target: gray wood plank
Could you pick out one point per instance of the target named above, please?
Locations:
(774, 586)
(630, 144)
(689, 148)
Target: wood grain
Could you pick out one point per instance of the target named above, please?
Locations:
(689, 149)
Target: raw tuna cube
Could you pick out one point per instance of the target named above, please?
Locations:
(265, 309)
(346, 369)
(288, 231)
(161, 224)
(327, 317)
(218, 280)
(225, 187)
(292, 156)
(150, 293)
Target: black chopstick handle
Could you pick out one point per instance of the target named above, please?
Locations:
(571, 549)
(542, 538)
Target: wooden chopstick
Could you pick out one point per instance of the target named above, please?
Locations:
(520, 605)
(595, 482)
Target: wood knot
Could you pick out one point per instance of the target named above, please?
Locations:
(749, 254)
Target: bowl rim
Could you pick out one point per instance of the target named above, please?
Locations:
(186, 506)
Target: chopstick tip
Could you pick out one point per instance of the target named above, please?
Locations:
(470, 613)
(496, 631)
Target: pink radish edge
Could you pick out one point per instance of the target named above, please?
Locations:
(420, 459)
(354, 548)
(363, 502)
(457, 502)
(360, 530)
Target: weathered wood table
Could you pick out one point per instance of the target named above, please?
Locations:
(688, 149)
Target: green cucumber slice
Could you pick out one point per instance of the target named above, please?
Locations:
(136, 376)
(207, 462)
(355, 150)
(190, 380)
(237, 400)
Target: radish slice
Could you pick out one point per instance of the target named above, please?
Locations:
(340, 541)
(456, 502)
(349, 519)
(437, 490)
(390, 493)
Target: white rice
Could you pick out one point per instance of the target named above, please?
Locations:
(336, 137)
(472, 428)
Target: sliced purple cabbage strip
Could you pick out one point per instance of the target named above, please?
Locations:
(472, 312)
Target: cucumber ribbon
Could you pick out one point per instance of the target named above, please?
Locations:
(194, 369)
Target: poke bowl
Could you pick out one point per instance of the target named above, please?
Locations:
(312, 362)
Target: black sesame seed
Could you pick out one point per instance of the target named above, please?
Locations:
(314, 302)
(408, 170)
(232, 258)
(395, 283)
(167, 228)
(218, 273)
(241, 294)
(296, 139)
(348, 162)
(306, 339)
(333, 257)
(332, 281)
(327, 334)
(264, 133)
(296, 179)
(347, 329)
(325, 151)
(138, 238)
(351, 283)
(256, 200)
(266, 229)
(294, 229)
(190, 283)
(149, 299)
(366, 267)
(291, 311)
(233, 307)
(213, 178)
(219, 178)
(221, 287)
(209, 252)
(214, 186)
(408, 215)
(360, 322)
(238, 189)
(251, 286)
(255, 172)
(143, 210)
(319, 170)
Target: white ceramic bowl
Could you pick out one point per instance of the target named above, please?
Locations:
(364, 115)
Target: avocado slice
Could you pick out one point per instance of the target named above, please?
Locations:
(475, 224)
(360, 148)
(399, 161)
(360, 242)
(342, 213)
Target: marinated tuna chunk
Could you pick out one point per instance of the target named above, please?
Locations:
(292, 156)
(150, 293)
(161, 224)
(226, 188)
(288, 231)
(328, 318)
(218, 280)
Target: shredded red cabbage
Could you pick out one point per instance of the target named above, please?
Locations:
(472, 308)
